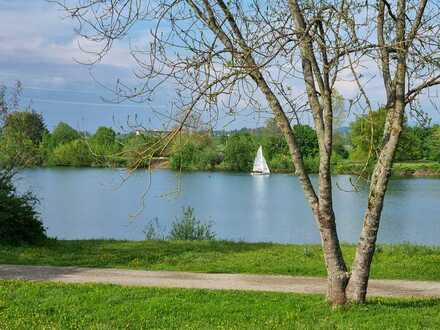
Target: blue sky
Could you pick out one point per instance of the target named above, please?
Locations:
(39, 47)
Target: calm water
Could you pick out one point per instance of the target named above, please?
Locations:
(96, 203)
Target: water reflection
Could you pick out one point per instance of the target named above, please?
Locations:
(83, 203)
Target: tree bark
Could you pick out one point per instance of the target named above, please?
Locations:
(357, 288)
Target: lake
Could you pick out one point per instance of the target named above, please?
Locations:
(104, 203)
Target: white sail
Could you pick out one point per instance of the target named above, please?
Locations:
(260, 164)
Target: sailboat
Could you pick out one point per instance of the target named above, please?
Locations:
(260, 164)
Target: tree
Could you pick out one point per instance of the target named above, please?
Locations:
(104, 136)
(433, 144)
(366, 138)
(20, 138)
(220, 56)
(29, 124)
(63, 133)
(19, 220)
(240, 152)
(104, 146)
(74, 153)
(307, 140)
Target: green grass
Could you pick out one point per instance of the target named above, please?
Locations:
(38, 305)
(391, 261)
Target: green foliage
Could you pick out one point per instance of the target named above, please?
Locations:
(62, 134)
(433, 144)
(105, 147)
(29, 124)
(153, 231)
(74, 153)
(20, 138)
(19, 221)
(188, 228)
(275, 146)
(366, 134)
(133, 147)
(311, 164)
(416, 169)
(340, 142)
(184, 155)
(240, 152)
(195, 151)
(104, 136)
(307, 140)
(16, 149)
(206, 151)
(281, 162)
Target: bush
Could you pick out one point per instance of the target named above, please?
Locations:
(184, 156)
(18, 150)
(311, 164)
(75, 153)
(240, 152)
(19, 221)
(281, 162)
(195, 152)
(153, 231)
(62, 134)
(188, 228)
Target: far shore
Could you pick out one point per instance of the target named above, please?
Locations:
(408, 169)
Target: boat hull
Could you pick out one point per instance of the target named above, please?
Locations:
(259, 173)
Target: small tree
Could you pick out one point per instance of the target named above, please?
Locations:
(63, 133)
(188, 228)
(240, 152)
(19, 221)
(21, 133)
(29, 124)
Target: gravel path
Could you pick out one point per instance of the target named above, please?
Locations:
(166, 279)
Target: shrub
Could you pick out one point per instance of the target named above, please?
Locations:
(184, 155)
(153, 231)
(281, 162)
(18, 150)
(19, 221)
(240, 152)
(75, 153)
(62, 134)
(312, 164)
(188, 228)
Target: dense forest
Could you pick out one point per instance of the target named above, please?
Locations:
(25, 140)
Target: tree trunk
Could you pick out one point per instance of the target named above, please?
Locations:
(337, 276)
(357, 288)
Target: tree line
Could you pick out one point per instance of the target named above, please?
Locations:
(26, 141)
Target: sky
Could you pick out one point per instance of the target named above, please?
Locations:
(39, 47)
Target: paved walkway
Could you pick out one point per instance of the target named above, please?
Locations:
(168, 279)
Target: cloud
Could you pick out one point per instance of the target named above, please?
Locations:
(34, 36)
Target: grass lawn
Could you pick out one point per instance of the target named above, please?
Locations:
(34, 305)
(390, 262)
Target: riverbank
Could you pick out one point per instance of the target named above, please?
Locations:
(40, 305)
(401, 261)
(408, 169)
